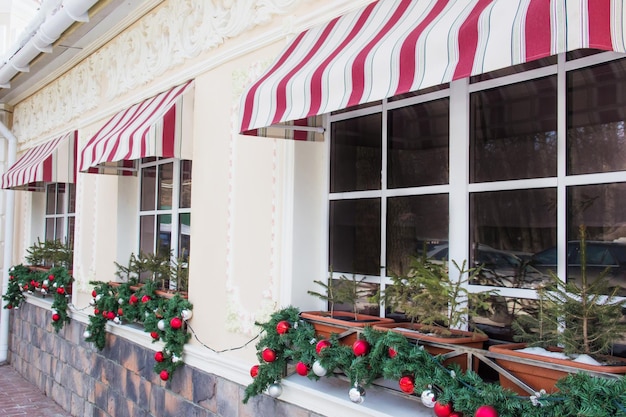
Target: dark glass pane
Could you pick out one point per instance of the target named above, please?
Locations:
(599, 208)
(355, 236)
(72, 198)
(414, 224)
(60, 199)
(513, 131)
(184, 235)
(51, 196)
(164, 243)
(50, 223)
(418, 144)
(70, 231)
(596, 112)
(364, 305)
(515, 69)
(58, 232)
(355, 154)
(166, 184)
(146, 234)
(148, 188)
(506, 229)
(496, 320)
(185, 184)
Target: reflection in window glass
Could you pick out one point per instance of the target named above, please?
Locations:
(61, 200)
(185, 184)
(146, 234)
(166, 178)
(72, 198)
(148, 188)
(184, 238)
(414, 224)
(363, 305)
(506, 229)
(50, 232)
(164, 241)
(497, 319)
(51, 199)
(355, 154)
(594, 207)
(354, 245)
(418, 144)
(596, 113)
(513, 131)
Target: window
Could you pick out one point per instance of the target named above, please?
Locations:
(60, 212)
(165, 208)
(540, 151)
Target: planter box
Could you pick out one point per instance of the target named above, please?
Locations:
(539, 377)
(414, 331)
(161, 293)
(341, 322)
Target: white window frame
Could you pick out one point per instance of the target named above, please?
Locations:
(66, 215)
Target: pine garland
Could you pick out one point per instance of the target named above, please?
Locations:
(393, 356)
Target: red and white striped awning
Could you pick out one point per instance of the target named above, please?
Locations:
(52, 161)
(153, 128)
(392, 47)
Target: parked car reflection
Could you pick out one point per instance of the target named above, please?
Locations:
(499, 268)
(602, 257)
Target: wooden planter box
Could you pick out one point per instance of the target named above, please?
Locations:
(414, 331)
(542, 377)
(161, 293)
(341, 323)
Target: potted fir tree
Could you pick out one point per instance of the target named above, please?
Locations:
(436, 306)
(346, 292)
(584, 319)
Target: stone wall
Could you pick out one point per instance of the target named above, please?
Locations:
(119, 381)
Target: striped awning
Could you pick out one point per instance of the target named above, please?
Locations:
(156, 127)
(392, 47)
(50, 162)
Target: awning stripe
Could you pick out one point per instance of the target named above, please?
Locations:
(52, 161)
(147, 129)
(393, 47)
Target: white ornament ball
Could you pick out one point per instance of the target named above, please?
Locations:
(55, 285)
(43, 291)
(161, 325)
(86, 334)
(428, 398)
(92, 302)
(46, 282)
(357, 394)
(98, 297)
(176, 358)
(275, 389)
(186, 314)
(318, 369)
(117, 320)
(120, 300)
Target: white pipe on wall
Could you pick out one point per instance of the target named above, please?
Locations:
(8, 242)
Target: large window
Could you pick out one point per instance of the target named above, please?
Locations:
(536, 153)
(165, 208)
(60, 213)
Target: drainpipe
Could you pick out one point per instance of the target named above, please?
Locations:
(8, 243)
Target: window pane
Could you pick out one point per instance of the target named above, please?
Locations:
(51, 198)
(496, 320)
(61, 199)
(596, 111)
(58, 233)
(72, 198)
(70, 231)
(148, 188)
(146, 234)
(164, 244)
(185, 184)
(355, 154)
(184, 235)
(513, 131)
(355, 236)
(600, 209)
(506, 228)
(418, 144)
(414, 223)
(366, 291)
(50, 222)
(166, 183)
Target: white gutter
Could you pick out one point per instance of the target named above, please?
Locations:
(8, 243)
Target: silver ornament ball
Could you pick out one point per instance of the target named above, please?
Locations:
(318, 369)
(357, 394)
(274, 390)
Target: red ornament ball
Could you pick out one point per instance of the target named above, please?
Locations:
(392, 352)
(456, 414)
(133, 299)
(407, 384)
(283, 327)
(486, 411)
(268, 355)
(164, 375)
(145, 298)
(443, 410)
(9, 306)
(93, 293)
(56, 317)
(110, 315)
(159, 357)
(254, 371)
(176, 323)
(154, 335)
(302, 368)
(360, 347)
(321, 345)
(120, 311)
(50, 277)
(96, 311)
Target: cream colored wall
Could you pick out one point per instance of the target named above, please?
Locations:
(258, 209)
